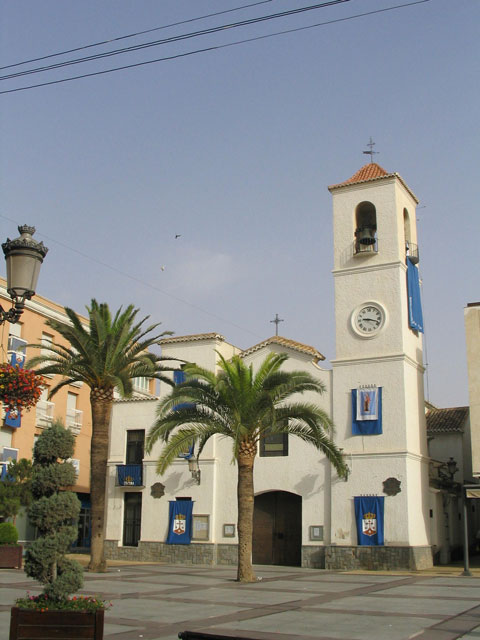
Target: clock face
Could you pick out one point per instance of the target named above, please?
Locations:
(368, 319)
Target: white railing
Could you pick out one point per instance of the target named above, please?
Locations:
(74, 420)
(44, 413)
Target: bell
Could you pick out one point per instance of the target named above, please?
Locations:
(365, 235)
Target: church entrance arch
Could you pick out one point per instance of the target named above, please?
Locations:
(277, 529)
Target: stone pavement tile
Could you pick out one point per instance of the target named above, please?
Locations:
(243, 595)
(330, 625)
(405, 606)
(119, 587)
(313, 586)
(460, 581)
(165, 611)
(472, 635)
(184, 579)
(431, 591)
(8, 595)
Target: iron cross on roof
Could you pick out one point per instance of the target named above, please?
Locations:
(371, 153)
(277, 321)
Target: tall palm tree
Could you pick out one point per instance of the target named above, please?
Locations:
(106, 355)
(245, 406)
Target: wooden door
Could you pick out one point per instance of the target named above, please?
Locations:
(277, 529)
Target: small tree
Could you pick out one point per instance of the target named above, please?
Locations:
(54, 512)
(15, 488)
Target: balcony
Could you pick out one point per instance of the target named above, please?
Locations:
(411, 251)
(129, 475)
(44, 413)
(74, 420)
(16, 350)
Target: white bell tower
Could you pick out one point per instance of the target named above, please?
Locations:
(374, 232)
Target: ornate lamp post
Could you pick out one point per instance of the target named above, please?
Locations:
(23, 256)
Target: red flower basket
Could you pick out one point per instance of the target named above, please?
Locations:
(19, 388)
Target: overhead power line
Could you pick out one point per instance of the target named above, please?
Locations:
(215, 47)
(133, 35)
(177, 38)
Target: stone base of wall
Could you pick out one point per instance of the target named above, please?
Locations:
(378, 558)
(313, 557)
(330, 557)
(195, 553)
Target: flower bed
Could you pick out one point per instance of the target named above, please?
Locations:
(75, 603)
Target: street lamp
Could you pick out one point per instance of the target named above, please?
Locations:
(23, 256)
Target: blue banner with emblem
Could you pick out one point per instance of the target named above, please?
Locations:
(415, 315)
(369, 518)
(180, 522)
(367, 411)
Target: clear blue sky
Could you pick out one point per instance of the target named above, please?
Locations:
(234, 149)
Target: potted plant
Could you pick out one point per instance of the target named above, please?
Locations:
(10, 551)
(19, 388)
(54, 512)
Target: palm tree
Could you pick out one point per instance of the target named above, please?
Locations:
(106, 355)
(246, 407)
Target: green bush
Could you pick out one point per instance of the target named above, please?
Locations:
(55, 514)
(8, 533)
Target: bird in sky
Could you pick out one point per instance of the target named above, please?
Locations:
(177, 235)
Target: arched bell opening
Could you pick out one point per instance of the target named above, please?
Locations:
(365, 228)
(411, 249)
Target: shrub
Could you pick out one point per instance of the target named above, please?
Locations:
(8, 533)
(55, 513)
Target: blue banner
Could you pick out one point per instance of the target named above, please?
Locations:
(367, 412)
(369, 518)
(180, 522)
(13, 418)
(130, 475)
(415, 315)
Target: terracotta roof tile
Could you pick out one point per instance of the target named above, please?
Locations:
(285, 342)
(371, 172)
(193, 338)
(449, 420)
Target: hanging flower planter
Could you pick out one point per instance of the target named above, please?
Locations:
(19, 388)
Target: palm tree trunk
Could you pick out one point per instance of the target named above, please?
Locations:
(101, 401)
(245, 497)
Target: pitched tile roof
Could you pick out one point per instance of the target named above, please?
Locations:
(368, 173)
(193, 338)
(449, 420)
(285, 342)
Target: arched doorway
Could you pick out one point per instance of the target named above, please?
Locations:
(277, 529)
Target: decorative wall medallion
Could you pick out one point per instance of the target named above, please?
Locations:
(157, 490)
(391, 486)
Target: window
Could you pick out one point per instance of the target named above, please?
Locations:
(141, 384)
(275, 444)
(135, 446)
(74, 416)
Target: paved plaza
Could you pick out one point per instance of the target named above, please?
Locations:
(153, 602)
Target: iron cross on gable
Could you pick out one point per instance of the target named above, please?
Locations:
(371, 153)
(277, 321)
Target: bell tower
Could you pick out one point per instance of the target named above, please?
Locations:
(378, 400)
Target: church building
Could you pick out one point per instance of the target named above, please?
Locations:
(385, 514)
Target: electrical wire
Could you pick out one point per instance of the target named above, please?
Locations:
(178, 38)
(214, 47)
(133, 35)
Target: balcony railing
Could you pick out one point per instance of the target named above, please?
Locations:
(44, 413)
(129, 475)
(74, 420)
(360, 249)
(411, 251)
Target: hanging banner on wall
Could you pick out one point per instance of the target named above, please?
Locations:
(369, 518)
(13, 418)
(415, 315)
(180, 522)
(367, 411)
